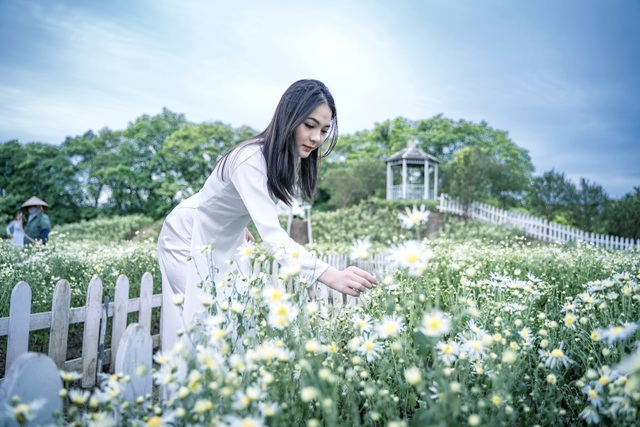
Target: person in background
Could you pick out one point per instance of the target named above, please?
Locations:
(38, 224)
(15, 230)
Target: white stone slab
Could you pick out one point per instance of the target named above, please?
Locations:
(135, 351)
(35, 379)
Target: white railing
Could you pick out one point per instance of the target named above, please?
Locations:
(414, 192)
(533, 226)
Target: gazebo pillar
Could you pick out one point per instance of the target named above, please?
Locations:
(425, 195)
(404, 179)
(389, 181)
(435, 183)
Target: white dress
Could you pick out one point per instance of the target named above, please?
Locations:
(217, 216)
(18, 232)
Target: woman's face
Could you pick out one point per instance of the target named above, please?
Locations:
(312, 132)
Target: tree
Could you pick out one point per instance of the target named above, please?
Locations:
(443, 138)
(91, 154)
(190, 153)
(349, 183)
(589, 208)
(42, 170)
(383, 140)
(551, 195)
(469, 175)
(134, 170)
(12, 195)
(624, 216)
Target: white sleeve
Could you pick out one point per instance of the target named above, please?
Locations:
(9, 228)
(250, 180)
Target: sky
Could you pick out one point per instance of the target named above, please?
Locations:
(562, 77)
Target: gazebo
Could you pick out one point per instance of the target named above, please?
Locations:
(419, 170)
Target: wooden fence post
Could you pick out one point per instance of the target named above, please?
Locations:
(19, 316)
(146, 292)
(59, 330)
(91, 336)
(119, 322)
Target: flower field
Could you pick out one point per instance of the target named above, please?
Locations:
(472, 326)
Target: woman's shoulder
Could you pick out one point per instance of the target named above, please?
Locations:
(250, 152)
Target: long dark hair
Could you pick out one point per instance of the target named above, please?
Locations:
(279, 143)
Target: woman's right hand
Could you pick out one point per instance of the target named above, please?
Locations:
(351, 281)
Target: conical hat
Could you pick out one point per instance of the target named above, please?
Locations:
(34, 201)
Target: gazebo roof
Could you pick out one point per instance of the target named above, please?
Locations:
(411, 152)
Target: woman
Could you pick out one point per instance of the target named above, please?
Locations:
(15, 230)
(245, 185)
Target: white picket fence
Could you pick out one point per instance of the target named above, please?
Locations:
(94, 316)
(533, 226)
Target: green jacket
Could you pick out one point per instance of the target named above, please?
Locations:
(38, 228)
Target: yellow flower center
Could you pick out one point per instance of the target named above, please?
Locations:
(390, 329)
(557, 353)
(415, 217)
(154, 422)
(434, 324)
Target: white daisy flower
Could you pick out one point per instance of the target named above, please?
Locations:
(556, 358)
(236, 421)
(281, 315)
(616, 333)
(370, 348)
(247, 250)
(390, 326)
(630, 364)
(435, 324)
(593, 396)
(414, 216)
(412, 255)
(448, 351)
(360, 249)
(362, 322)
(273, 294)
(590, 415)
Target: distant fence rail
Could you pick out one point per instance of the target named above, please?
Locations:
(533, 226)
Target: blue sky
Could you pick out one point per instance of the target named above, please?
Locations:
(562, 77)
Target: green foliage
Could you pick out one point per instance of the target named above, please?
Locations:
(349, 183)
(157, 161)
(114, 229)
(550, 195)
(376, 219)
(75, 261)
(624, 216)
(41, 170)
(490, 334)
(459, 230)
(589, 208)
